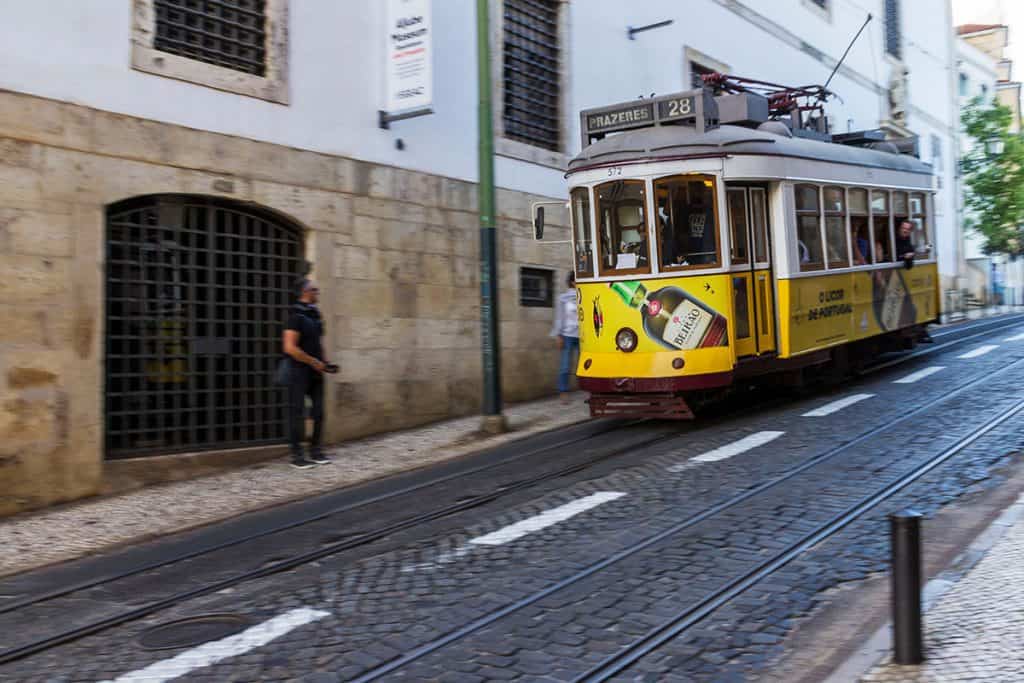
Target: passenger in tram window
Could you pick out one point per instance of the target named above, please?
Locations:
(700, 225)
(904, 246)
(805, 253)
(859, 238)
(881, 253)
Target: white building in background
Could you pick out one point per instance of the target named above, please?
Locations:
(987, 72)
(127, 119)
(977, 77)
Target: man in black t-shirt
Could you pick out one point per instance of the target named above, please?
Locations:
(302, 343)
(904, 245)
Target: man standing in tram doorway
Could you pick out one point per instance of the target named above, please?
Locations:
(307, 364)
(567, 330)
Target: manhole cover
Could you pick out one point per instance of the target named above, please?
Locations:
(192, 631)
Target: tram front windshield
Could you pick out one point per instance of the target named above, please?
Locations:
(686, 222)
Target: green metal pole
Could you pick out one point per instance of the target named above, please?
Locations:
(490, 341)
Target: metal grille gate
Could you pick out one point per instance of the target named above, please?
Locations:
(228, 33)
(198, 290)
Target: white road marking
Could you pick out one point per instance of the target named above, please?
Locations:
(546, 519)
(729, 450)
(980, 351)
(232, 646)
(836, 406)
(920, 374)
(1017, 337)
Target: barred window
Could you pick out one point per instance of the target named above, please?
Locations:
(893, 35)
(227, 33)
(536, 287)
(531, 73)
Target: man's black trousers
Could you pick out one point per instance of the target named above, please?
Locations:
(305, 381)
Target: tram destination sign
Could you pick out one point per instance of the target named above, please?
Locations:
(695, 106)
(630, 116)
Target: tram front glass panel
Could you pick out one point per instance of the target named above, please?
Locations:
(582, 245)
(686, 226)
(622, 228)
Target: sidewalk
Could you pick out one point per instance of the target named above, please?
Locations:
(92, 525)
(978, 313)
(974, 623)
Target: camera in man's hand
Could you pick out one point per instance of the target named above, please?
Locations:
(331, 368)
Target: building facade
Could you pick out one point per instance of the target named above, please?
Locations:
(164, 175)
(993, 278)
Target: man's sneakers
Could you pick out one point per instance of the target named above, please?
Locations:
(317, 456)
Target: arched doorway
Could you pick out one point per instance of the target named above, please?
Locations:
(197, 291)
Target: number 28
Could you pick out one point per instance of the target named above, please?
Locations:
(680, 107)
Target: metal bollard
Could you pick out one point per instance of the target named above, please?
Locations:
(905, 536)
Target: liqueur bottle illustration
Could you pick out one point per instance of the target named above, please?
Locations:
(893, 306)
(673, 318)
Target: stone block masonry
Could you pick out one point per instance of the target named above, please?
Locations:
(395, 252)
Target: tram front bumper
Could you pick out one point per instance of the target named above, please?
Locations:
(666, 371)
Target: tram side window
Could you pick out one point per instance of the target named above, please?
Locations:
(622, 227)
(737, 201)
(920, 220)
(880, 232)
(582, 246)
(836, 244)
(900, 212)
(808, 228)
(687, 231)
(860, 233)
(758, 214)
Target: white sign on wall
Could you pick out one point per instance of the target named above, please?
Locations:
(408, 67)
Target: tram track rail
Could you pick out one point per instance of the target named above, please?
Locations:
(16, 604)
(23, 651)
(696, 613)
(711, 512)
(609, 427)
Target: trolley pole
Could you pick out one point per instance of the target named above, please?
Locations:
(493, 421)
(905, 532)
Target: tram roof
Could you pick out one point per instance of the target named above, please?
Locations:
(681, 142)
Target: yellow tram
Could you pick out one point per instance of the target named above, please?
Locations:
(715, 243)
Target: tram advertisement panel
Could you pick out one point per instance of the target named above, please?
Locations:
(833, 309)
(665, 314)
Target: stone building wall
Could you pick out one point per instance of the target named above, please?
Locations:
(395, 252)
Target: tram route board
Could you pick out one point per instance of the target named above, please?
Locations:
(697, 106)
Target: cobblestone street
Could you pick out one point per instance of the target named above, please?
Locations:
(646, 530)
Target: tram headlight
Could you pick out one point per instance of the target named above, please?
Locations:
(626, 339)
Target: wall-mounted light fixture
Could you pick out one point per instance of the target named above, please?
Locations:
(632, 31)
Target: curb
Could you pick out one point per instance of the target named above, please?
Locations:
(878, 647)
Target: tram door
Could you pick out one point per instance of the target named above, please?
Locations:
(753, 306)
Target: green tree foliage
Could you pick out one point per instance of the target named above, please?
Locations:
(994, 178)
